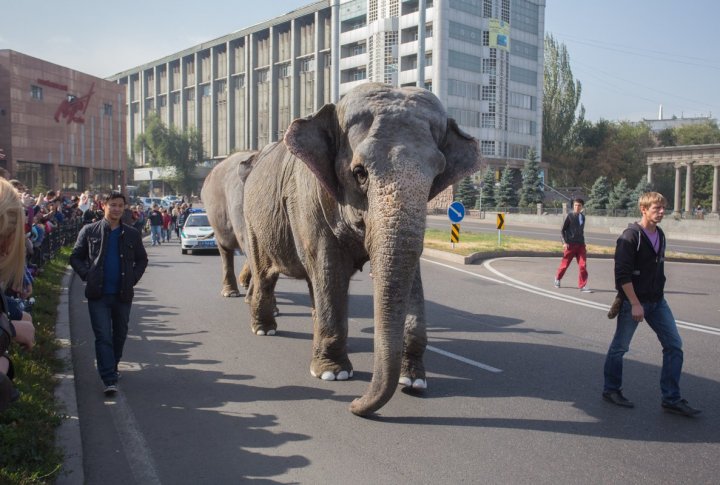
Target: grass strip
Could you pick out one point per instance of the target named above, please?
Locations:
(471, 242)
(28, 454)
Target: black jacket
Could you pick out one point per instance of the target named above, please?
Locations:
(88, 257)
(637, 262)
(573, 232)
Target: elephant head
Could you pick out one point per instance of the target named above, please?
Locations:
(381, 153)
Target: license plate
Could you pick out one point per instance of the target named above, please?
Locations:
(206, 244)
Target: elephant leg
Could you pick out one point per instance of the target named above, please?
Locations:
(330, 325)
(262, 303)
(245, 275)
(230, 287)
(412, 371)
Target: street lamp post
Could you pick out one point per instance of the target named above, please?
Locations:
(151, 185)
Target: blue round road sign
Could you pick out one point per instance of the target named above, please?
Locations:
(456, 211)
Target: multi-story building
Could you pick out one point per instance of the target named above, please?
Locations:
(60, 128)
(482, 58)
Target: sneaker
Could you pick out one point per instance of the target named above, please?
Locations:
(110, 390)
(585, 289)
(681, 407)
(557, 284)
(617, 398)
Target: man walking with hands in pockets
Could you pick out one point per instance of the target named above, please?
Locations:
(640, 281)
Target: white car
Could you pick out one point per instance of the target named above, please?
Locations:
(197, 234)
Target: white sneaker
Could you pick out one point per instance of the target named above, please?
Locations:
(557, 284)
(110, 390)
(585, 289)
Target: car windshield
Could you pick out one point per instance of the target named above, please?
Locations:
(197, 221)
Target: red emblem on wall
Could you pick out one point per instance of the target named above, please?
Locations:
(73, 108)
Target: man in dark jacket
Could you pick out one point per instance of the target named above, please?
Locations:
(109, 256)
(640, 281)
(573, 238)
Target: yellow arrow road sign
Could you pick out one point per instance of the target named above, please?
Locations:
(500, 222)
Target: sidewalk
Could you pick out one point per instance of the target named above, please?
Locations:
(68, 436)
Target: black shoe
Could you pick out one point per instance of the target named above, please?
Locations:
(681, 407)
(618, 399)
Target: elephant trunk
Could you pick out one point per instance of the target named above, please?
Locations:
(394, 261)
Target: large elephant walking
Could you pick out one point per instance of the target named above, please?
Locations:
(349, 185)
(222, 195)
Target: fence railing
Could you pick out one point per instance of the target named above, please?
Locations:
(63, 234)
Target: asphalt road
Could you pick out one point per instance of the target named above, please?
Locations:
(515, 375)
(550, 233)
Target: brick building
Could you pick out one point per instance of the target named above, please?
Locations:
(60, 128)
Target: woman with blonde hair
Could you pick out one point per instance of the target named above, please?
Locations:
(12, 270)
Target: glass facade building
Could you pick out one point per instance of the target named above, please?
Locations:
(482, 58)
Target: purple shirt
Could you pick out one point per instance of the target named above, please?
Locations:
(654, 238)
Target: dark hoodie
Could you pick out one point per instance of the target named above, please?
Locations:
(637, 262)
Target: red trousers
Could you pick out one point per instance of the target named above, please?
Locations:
(574, 251)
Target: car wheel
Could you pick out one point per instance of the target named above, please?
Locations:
(184, 251)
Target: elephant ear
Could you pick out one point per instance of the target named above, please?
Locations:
(314, 141)
(462, 157)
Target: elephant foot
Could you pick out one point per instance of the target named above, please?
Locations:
(418, 384)
(230, 293)
(269, 329)
(329, 375)
(329, 371)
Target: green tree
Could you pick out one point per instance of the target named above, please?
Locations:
(599, 194)
(467, 193)
(487, 194)
(505, 195)
(167, 147)
(667, 138)
(620, 196)
(641, 187)
(561, 117)
(531, 192)
(698, 134)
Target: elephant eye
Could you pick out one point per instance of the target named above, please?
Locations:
(360, 174)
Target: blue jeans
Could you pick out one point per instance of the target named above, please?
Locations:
(109, 318)
(156, 233)
(660, 318)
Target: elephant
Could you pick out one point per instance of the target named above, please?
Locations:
(222, 196)
(350, 184)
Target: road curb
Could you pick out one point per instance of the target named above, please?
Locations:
(67, 437)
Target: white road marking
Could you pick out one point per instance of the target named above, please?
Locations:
(479, 365)
(520, 285)
(133, 442)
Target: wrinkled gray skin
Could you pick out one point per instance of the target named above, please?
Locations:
(222, 196)
(351, 184)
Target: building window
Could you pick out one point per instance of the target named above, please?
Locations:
(284, 71)
(488, 93)
(519, 100)
(528, 51)
(36, 92)
(465, 117)
(525, 76)
(524, 16)
(487, 8)
(488, 120)
(486, 38)
(205, 90)
(517, 151)
(262, 76)
(467, 34)
(487, 147)
(359, 74)
(524, 127)
(307, 64)
(190, 95)
(238, 82)
(468, 6)
(107, 109)
(489, 66)
(463, 89)
(464, 61)
(162, 101)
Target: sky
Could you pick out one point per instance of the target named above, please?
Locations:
(630, 56)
